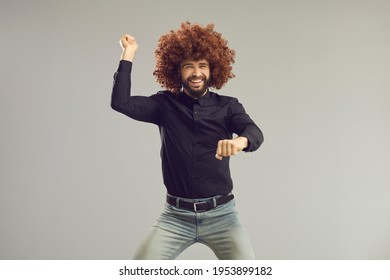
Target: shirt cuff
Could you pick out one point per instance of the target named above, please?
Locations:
(125, 66)
(254, 141)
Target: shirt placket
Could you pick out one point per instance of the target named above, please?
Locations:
(196, 117)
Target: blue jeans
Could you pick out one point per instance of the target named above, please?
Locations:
(176, 229)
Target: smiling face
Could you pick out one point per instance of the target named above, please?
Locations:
(195, 76)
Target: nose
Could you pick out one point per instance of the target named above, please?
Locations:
(196, 72)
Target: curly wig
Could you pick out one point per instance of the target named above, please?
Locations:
(196, 42)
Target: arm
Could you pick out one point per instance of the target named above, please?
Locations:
(249, 134)
(140, 108)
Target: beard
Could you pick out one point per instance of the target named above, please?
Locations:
(193, 90)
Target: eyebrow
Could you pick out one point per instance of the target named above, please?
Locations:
(191, 64)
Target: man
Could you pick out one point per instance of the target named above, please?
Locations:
(196, 127)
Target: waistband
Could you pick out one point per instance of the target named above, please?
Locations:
(199, 205)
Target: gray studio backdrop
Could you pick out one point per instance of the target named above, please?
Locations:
(80, 181)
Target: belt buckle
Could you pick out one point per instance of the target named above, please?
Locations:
(196, 205)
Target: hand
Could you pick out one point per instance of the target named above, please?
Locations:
(129, 47)
(230, 147)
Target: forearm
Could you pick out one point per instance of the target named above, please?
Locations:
(122, 86)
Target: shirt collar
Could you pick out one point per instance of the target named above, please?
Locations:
(202, 101)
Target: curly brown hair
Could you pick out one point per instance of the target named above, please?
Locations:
(196, 42)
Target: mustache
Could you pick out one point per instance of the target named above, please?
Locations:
(202, 77)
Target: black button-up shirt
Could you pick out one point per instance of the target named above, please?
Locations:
(190, 130)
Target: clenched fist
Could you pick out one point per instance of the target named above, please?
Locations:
(129, 47)
(230, 147)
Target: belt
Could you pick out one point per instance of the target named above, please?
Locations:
(199, 206)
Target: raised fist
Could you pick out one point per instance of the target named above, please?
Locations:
(128, 41)
(129, 46)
